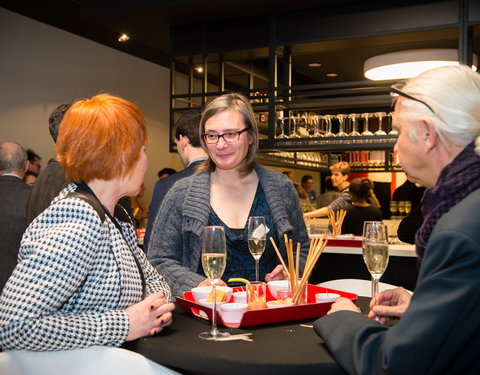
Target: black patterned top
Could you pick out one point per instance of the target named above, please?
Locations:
(75, 277)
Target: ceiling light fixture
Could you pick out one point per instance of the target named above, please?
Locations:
(332, 75)
(314, 65)
(409, 63)
(199, 69)
(123, 38)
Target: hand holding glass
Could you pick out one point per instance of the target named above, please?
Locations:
(257, 239)
(214, 259)
(375, 250)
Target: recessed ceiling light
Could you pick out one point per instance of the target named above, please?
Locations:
(123, 38)
(314, 65)
(332, 74)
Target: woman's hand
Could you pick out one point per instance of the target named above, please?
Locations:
(277, 274)
(149, 316)
(342, 304)
(207, 282)
(389, 303)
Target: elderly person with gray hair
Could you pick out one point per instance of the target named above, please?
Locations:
(437, 115)
(229, 188)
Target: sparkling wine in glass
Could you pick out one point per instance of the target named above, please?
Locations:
(214, 260)
(257, 239)
(375, 251)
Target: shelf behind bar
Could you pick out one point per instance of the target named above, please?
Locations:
(376, 142)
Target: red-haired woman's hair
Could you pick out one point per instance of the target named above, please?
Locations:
(100, 138)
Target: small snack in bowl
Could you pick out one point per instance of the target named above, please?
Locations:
(221, 296)
(279, 303)
(202, 292)
(275, 286)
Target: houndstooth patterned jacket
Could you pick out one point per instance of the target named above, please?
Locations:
(74, 279)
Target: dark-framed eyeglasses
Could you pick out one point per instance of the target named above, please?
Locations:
(229, 137)
(396, 90)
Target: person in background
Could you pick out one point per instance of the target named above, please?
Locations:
(140, 212)
(340, 174)
(165, 172)
(307, 183)
(330, 194)
(302, 194)
(191, 153)
(81, 280)
(13, 202)
(30, 178)
(228, 189)
(360, 210)
(437, 116)
(34, 162)
(52, 180)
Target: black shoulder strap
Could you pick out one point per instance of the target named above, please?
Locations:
(91, 200)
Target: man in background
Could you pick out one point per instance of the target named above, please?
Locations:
(165, 172)
(34, 164)
(307, 183)
(52, 180)
(187, 139)
(13, 203)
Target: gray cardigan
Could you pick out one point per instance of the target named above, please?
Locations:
(175, 243)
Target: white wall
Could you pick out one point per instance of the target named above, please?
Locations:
(42, 67)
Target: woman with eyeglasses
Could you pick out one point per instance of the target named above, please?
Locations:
(228, 188)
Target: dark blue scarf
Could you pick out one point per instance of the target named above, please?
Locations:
(457, 180)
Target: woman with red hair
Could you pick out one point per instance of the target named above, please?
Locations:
(81, 281)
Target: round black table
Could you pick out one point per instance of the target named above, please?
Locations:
(284, 348)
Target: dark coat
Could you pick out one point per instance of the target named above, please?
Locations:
(14, 195)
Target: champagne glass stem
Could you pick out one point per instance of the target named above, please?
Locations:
(257, 271)
(214, 331)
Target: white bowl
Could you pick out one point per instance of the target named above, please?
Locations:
(232, 313)
(326, 297)
(276, 285)
(240, 297)
(202, 292)
(271, 305)
(206, 303)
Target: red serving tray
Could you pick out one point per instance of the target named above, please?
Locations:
(267, 316)
(340, 242)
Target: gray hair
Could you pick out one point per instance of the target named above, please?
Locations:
(453, 95)
(13, 157)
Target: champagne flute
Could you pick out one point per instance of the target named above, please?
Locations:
(257, 239)
(375, 250)
(214, 259)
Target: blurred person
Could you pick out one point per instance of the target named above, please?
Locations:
(13, 202)
(165, 172)
(340, 174)
(307, 183)
(228, 189)
(437, 115)
(81, 280)
(34, 164)
(140, 211)
(302, 194)
(29, 178)
(191, 153)
(52, 180)
(360, 210)
(330, 194)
